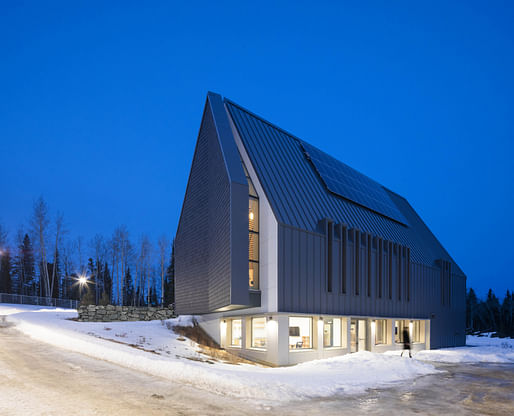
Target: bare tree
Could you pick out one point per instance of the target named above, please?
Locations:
(99, 249)
(39, 224)
(68, 254)
(3, 237)
(3, 242)
(59, 230)
(79, 246)
(163, 243)
(120, 250)
(142, 267)
(20, 264)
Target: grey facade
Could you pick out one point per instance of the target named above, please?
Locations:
(334, 256)
(211, 241)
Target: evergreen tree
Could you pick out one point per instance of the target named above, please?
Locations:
(493, 310)
(153, 297)
(87, 295)
(25, 268)
(107, 282)
(104, 299)
(74, 287)
(169, 283)
(128, 288)
(507, 318)
(91, 271)
(5, 271)
(471, 309)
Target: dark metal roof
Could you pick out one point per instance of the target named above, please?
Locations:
(299, 197)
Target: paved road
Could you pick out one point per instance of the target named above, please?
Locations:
(36, 379)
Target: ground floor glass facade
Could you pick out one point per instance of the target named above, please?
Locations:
(283, 339)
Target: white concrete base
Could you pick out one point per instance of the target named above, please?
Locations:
(279, 349)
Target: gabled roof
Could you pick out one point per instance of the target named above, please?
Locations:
(301, 198)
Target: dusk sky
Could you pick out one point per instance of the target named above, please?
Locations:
(101, 105)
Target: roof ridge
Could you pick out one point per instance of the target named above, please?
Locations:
(300, 141)
(229, 101)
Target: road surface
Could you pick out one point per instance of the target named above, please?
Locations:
(37, 379)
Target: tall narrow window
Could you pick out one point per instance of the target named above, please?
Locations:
(344, 248)
(390, 269)
(408, 274)
(330, 238)
(370, 248)
(236, 333)
(253, 234)
(380, 252)
(357, 248)
(399, 252)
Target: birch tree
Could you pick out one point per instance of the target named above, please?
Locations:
(99, 249)
(39, 224)
(121, 250)
(59, 220)
(163, 247)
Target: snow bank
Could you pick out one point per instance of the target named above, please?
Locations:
(152, 348)
(477, 350)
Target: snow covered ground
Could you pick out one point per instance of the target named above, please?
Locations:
(477, 350)
(153, 347)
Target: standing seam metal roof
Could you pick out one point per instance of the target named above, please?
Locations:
(299, 197)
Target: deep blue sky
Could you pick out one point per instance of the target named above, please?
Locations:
(100, 107)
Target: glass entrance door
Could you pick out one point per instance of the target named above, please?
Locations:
(353, 336)
(361, 335)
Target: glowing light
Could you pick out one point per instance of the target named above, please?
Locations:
(82, 280)
(251, 216)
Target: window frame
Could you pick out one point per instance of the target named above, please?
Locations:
(252, 338)
(232, 345)
(311, 331)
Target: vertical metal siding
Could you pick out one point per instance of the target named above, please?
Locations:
(211, 257)
(300, 199)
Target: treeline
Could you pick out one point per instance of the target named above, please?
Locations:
(40, 259)
(490, 315)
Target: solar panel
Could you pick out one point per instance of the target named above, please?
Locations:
(346, 182)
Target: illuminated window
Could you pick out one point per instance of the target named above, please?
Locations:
(259, 332)
(300, 333)
(418, 331)
(236, 333)
(253, 234)
(399, 327)
(381, 333)
(332, 332)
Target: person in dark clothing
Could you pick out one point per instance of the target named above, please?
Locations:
(406, 342)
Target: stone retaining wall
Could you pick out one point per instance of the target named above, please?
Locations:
(109, 313)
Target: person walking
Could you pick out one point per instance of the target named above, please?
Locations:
(406, 342)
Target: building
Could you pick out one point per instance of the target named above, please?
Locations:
(286, 254)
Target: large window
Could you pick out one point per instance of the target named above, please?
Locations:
(332, 332)
(236, 327)
(300, 333)
(418, 331)
(253, 234)
(381, 332)
(259, 332)
(399, 327)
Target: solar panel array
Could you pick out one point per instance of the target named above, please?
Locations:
(346, 182)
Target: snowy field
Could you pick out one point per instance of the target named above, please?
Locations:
(152, 347)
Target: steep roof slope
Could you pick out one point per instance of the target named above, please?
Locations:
(299, 197)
